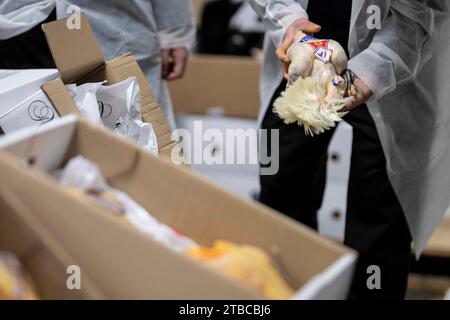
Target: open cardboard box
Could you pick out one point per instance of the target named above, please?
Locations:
(227, 83)
(41, 256)
(126, 264)
(80, 60)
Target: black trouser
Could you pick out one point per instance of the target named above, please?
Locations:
(28, 50)
(375, 225)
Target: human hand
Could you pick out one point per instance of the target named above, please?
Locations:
(360, 92)
(303, 25)
(174, 63)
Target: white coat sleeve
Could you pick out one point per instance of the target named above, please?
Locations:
(175, 22)
(402, 45)
(278, 15)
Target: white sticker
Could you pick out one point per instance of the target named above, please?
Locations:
(324, 54)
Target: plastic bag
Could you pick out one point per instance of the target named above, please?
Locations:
(85, 97)
(84, 176)
(117, 107)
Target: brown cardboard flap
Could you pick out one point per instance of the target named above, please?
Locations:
(76, 52)
(122, 68)
(60, 98)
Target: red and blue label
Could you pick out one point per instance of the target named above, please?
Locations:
(321, 48)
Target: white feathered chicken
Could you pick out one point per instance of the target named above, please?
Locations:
(315, 96)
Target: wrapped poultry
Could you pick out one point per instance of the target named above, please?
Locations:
(316, 95)
(247, 264)
(15, 284)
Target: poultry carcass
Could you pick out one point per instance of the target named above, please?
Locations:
(15, 283)
(315, 96)
(248, 264)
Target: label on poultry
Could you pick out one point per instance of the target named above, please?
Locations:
(321, 50)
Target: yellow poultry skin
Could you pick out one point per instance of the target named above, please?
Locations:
(247, 264)
(7, 284)
(13, 284)
(311, 99)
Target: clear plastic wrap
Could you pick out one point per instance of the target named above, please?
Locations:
(117, 107)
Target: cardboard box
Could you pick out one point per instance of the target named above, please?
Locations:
(198, 9)
(127, 264)
(88, 65)
(41, 256)
(439, 244)
(225, 82)
(220, 92)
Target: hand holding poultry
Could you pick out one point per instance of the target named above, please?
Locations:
(317, 94)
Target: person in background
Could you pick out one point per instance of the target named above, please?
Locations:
(229, 27)
(399, 180)
(159, 33)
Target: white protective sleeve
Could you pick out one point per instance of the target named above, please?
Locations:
(176, 23)
(401, 47)
(19, 16)
(278, 15)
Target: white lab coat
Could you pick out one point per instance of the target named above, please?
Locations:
(19, 16)
(142, 27)
(405, 63)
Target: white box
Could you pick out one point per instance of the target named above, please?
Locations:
(17, 85)
(34, 111)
